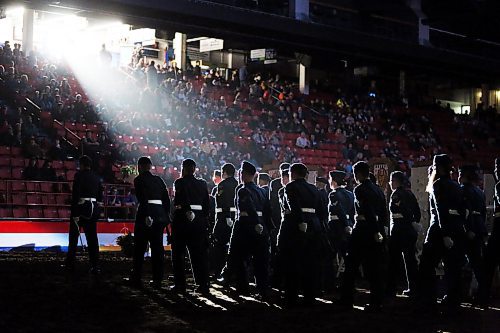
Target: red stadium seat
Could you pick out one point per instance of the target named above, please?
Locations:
(70, 175)
(17, 173)
(64, 213)
(5, 150)
(70, 165)
(33, 186)
(50, 212)
(20, 213)
(17, 162)
(58, 165)
(5, 173)
(34, 199)
(19, 199)
(4, 161)
(46, 187)
(62, 199)
(5, 212)
(16, 151)
(35, 213)
(18, 186)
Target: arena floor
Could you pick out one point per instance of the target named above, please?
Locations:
(37, 296)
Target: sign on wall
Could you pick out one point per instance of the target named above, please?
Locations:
(211, 44)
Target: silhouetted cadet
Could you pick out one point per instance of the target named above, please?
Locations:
(366, 245)
(190, 228)
(225, 216)
(300, 236)
(445, 236)
(153, 216)
(492, 252)
(341, 217)
(250, 236)
(405, 218)
(85, 211)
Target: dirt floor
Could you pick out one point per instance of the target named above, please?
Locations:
(37, 296)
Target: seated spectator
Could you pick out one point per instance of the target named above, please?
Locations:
(32, 149)
(56, 153)
(32, 171)
(47, 172)
(302, 141)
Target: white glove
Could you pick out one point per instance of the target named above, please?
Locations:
(303, 227)
(448, 242)
(190, 216)
(229, 222)
(471, 235)
(378, 237)
(417, 227)
(259, 228)
(76, 219)
(348, 230)
(149, 221)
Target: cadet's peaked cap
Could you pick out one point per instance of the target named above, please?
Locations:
(144, 160)
(338, 176)
(321, 180)
(469, 171)
(284, 168)
(299, 168)
(188, 163)
(442, 160)
(264, 176)
(248, 168)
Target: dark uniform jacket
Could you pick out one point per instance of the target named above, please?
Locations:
(447, 207)
(224, 198)
(404, 210)
(341, 207)
(476, 209)
(151, 187)
(275, 186)
(305, 204)
(191, 194)
(370, 208)
(253, 208)
(496, 209)
(85, 185)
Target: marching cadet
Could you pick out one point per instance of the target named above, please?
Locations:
(190, 228)
(367, 240)
(85, 200)
(492, 252)
(475, 217)
(445, 236)
(153, 215)
(216, 178)
(263, 179)
(341, 215)
(404, 228)
(275, 186)
(225, 216)
(300, 236)
(251, 233)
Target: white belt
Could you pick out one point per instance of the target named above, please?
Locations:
(232, 210)
(196, 207)
(476, 213)
(396, 216)
(334, 217)
(453, 212)
(155, 202)
(82, 200)
(497, 214)
(308, 210)
(244, 214)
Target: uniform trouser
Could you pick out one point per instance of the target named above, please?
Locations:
(222, 236)
(90, 228)
(433, 252)
(402, 258)
(363, 250)
(246, 244)
(302, 266)
(195, 240)
(474, 249)
(154, 235)
(490, 263)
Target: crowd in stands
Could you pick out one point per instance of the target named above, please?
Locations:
(172, 115)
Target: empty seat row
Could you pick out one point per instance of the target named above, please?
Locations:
(35, 213)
